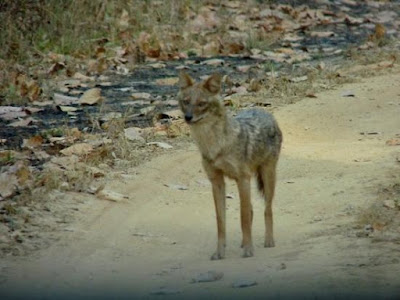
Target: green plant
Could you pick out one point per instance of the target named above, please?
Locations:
(6, 158)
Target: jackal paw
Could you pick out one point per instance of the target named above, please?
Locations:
(248, 251)
(218, 255)
(269, 243)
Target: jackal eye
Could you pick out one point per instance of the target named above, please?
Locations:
(186, 101)
(202, 104)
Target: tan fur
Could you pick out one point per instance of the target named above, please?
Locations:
(234, 147)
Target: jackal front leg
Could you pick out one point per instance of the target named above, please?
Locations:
(218, 188)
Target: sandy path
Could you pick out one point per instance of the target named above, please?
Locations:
(162, 236)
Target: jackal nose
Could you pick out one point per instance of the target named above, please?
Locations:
(188, 118)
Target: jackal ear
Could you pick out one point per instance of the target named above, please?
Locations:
(213, 83)
(185, 80)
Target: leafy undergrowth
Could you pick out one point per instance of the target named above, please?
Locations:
(43, 40)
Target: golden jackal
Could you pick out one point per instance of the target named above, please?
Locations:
(236, 147)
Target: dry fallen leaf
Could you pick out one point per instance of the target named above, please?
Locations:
(111, 196)
(213, 62)
(65, 162)
(212, 48)
(389, 204)
(73, 133)
(41, 155)
(82, 77)
(321, 66)
(353, 21)
(8, 185)
(61, 99)
(134, 134)
(311, 95)
(171, 102)
(206, 19)
(385, 64)
(137, 96)
(96, 172)
(91, 97)
(111, 116)
(234, 48)
(298, 79)
(77, 149)
(65, 108)
(33, 142)
(157, 65)
(322, 34)
(55, 68)
(240, 90)
(23, 174)
(167, 81)
(12, 112)
(378, 226)
(147, 110)
(30, 89)
(244, 68)
(22, 123)
(254, 85)
(393, 142)
(170, 114)
(123, 21)
(178, 128)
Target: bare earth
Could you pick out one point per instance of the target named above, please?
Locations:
(163, 237)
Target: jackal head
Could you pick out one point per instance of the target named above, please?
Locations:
(199, 101)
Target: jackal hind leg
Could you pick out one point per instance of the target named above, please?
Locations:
(268, 176)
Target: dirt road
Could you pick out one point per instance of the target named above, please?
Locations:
(163, 236)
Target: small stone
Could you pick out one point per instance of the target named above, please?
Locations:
(368, 229)
(176, 186)
(162, 291)
(95, 187)
(348, 94)
(157, 65)
(134, 134)
(209, 276)
(242, 283)
(389, 204)
(65, 186)
(282, 266)
(298, 79)
(111, 196)
(317, 219)
(244, 68)
(161, 145)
